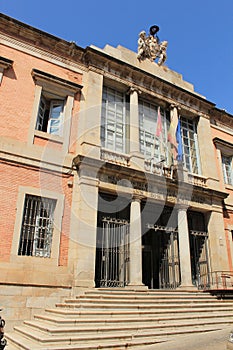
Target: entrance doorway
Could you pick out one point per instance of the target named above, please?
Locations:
(198, 237)
(160, 258)
(112, 244)
(160, 247)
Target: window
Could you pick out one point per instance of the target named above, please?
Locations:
(37, 226)
(190, 145)
(52, 109)
(50, 114)
(152, 146)
(5, 63)
(227, 169)
(113, 124)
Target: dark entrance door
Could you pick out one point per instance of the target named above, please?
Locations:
(112, 243)
(160, 258)
(198, 249)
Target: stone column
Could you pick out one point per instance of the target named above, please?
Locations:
(137, 159)
(184, 249)
(135, 245)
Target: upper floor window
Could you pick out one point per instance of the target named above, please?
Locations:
(5, 63)
(113, 120)
(37, 226)
(190, 145)
(227, 169)
(54, 98)
(153, 124)
(50, 114)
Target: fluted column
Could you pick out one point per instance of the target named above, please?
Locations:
(135, 244)
(184, 249)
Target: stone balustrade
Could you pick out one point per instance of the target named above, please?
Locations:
(114, 157)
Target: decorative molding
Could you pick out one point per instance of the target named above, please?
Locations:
(114, 157)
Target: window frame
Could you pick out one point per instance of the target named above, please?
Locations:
(5, 63)
(64, 90)
(227, 176)
(37, 226)
(224, 149)
(58, 215)
(107, 122)
(187, 145)
(154, 141)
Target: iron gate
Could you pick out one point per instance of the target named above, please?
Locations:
(114, 271)
(168, 256)
(199, 258)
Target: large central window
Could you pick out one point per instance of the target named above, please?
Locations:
(113, 124)
(153, 135)
(190, 145)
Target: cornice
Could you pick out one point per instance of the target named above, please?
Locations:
(130, 75)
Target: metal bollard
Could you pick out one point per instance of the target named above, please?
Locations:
(3, 341)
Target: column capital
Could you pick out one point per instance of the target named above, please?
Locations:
(133, 89)
(137, 197)
(175, 105)
(182, 207)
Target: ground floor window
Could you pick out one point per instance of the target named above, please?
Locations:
(37, 226)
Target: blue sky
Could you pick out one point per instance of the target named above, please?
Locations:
(199, 33)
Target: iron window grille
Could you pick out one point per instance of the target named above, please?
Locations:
(37, 226)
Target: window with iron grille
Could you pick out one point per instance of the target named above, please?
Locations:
(37, 226)
(227, 169)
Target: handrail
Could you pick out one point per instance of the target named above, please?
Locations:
(217, 280)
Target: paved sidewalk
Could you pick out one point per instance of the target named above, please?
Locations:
(215, 340)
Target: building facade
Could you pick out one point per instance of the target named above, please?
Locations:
(92, 191)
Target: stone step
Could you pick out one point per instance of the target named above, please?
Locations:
(144, 300)
(118, 319)
(148, 293)
(116, 327)
(60, 320)
(73, 303)
(44, 342)
(72, 312)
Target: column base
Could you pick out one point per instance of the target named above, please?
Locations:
(136, 287)
(189, 288)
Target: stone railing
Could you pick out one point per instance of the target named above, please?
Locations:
(197, 180)
(114, 157)
(158, 168)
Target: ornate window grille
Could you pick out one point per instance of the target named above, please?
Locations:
(37, 226)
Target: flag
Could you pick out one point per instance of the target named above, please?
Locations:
(159, 135)
(179, 143)
(159, 124)
(173, 126)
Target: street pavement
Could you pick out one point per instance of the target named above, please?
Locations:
(214, 340)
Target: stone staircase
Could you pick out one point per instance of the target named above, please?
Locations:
(120, 319)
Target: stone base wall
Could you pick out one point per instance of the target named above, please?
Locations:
(19, 303)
